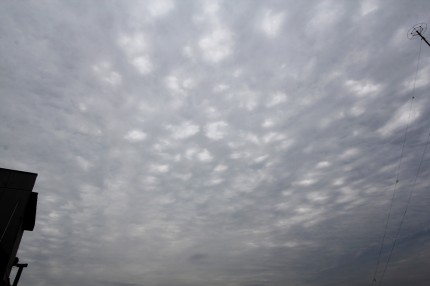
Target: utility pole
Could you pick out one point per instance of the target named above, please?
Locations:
(417, 31)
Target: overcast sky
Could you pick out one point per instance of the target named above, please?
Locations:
(220, 143)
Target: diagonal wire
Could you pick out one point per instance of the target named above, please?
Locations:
(406, 209)
(393, 196)
(397, 172)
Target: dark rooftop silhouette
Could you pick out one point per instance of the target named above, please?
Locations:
(17, 213)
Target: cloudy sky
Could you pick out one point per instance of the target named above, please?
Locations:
(247, 143)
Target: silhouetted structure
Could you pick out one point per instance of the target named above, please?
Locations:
(17, 213)
(417, 31)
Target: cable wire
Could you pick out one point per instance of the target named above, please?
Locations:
(406, 209)
(393, 196)
(397, 172)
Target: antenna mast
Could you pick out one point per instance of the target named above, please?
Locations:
(417, 31)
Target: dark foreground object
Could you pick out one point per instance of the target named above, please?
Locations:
(17, 213)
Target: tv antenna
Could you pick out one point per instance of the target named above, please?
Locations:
(417, 31)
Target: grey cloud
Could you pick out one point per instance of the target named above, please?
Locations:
(290, 191)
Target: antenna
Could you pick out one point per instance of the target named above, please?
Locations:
(417, 31)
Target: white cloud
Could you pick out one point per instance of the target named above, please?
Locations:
(83, 163)
(211, 7)
(162, 145)
(106, 73)
(404, 115)
(158, 8)
(349, 153)
(357, 110)
(215, 181)
(368, 6)
(220, 87)
(276, 99)
(244, 98)
(173, 83)
(220, 168)
(180, 84)
(240, 155)
(362, 88)
(323, 164)
(261, 158)
(325, 15)
(212, 112)
(251, 137)
(133, 44)
(272, 22)
(136, 48)
(216, 45)
(142, 64)
(204, 156)
(159, 168)
(273, 137)
(421, 80)
(305, 182)
(189, 153)
(209, 13)
(268, 123)
(184, 130)
(216, 130)
(135, 135)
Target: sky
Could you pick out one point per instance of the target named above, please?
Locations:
(220, 143)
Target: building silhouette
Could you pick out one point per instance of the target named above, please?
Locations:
(17, 213)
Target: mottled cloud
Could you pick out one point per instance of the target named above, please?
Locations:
(218, 142)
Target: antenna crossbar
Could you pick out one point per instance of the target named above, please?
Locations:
(422, 37)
